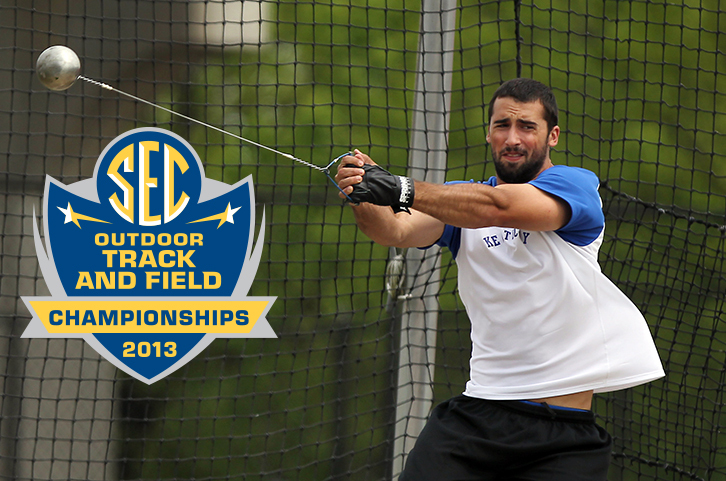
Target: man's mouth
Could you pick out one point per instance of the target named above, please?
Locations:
(512, 156)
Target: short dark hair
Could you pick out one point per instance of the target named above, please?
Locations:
(528, 90)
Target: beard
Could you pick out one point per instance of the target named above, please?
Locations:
(519, 173)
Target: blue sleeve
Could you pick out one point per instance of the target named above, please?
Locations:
(578, 187)
(451, 238)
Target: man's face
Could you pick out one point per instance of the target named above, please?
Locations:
(520, 140)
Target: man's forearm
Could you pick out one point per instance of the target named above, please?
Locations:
(466, 205)
(473, 205)
(374, 222)
(384, 227)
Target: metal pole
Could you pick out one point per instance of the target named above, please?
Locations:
(427, 161)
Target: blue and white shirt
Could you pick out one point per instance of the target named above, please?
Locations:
(545, 320)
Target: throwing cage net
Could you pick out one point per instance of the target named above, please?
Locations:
(361, 357)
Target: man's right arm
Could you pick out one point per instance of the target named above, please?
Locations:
(379, 222)
(398, 230)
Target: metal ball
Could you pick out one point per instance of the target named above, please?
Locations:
(58, 67)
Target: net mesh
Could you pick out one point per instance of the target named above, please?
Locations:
(642, 93)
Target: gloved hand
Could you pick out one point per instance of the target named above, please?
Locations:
(381, 187)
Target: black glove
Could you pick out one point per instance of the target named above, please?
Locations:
(381, 187)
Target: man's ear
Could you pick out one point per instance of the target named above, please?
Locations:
(554, 136)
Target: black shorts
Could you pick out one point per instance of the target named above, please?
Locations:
(473, 439)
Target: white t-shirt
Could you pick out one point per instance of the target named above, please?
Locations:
(545, 321)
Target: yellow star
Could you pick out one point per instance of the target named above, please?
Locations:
(226, 216)
(74, 217)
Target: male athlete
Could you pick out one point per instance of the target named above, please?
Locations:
(548, 329)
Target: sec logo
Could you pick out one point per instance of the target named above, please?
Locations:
(149, 261)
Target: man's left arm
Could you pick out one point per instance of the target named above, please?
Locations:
(472, 205)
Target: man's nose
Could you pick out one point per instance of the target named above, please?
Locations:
(512, 137)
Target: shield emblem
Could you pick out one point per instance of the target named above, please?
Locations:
(149, 261)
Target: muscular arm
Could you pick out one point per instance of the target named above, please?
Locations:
(471, 205)
(467, 205)
(398, 230)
